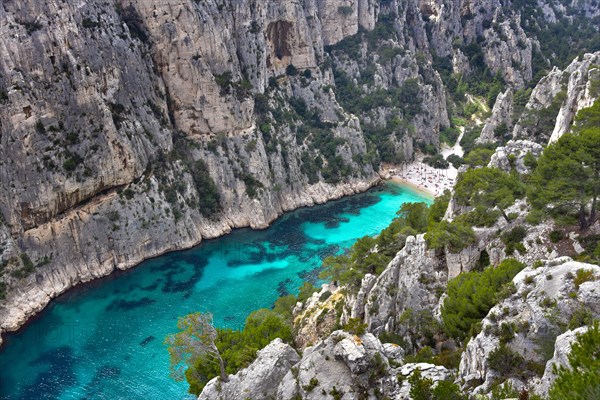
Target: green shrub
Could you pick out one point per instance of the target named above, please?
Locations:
(583, 275)
(253, 185)
(505, 361)
(472, 294)
(513, 238)
(455, 160)
(479, 157)
(238, 348)
(356, 327)
(3, 290)
(556, 236)
(422, 389)
(208, 194)
(424, 355)
(488, 188)
(345, 10)
(313, 383)
(582, 379)
(291, 70)
(455, 235)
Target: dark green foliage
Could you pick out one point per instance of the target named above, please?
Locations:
(27, 268)
(489, 188)
(436, 161)
(31, 26)
(209, 198)
(556, 236)
(513, 240)
(291, 70)
(483, 262)
(345, 10)
(591, 245)
(470, 136)
(313, 383)
(253, 185)
(238, 348)
(472, 294)
(89, 23)
(449, 135)
(3, 290)
(117, 111)
(438, 209)
(582, 380)
(241, 88)
(421, 389)
(479, 157)
(355, 326)
(455, 160)
(455, 236)
(502, 133)
(505, 361)
(39, 127)
(573, 33)
(72, 161)
(567, 178)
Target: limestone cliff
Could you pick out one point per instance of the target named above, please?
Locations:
(342, 365)
(557, 98)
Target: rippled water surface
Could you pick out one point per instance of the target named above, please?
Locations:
(104, 340)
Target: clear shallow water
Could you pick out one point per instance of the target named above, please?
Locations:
(104, 340)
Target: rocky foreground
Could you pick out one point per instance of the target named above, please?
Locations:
(360, 366)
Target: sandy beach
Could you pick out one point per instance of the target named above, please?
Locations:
(422, 177)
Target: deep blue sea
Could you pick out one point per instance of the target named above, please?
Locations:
(104, 340)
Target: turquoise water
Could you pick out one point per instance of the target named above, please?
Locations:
(104, 340)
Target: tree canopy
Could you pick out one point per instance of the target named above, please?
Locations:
(567, 177)
(471, 295)
(488, 187)
(582, 380)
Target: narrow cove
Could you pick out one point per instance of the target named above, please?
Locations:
(104, 340)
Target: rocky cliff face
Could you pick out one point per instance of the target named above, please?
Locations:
(342, 365)
(546, 300)
(557, 98)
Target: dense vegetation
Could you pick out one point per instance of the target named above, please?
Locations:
(567, 178)
(582, 380)
(471, 295)
(230, 350)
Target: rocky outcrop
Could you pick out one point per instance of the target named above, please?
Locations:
(528, 321)
(557, 98)
(342, 365)
(513, 156)
(318, 316)
(562, 349)
(408, 283)
(99, 153)
(497, 125)
(582, 91)
(260, 379)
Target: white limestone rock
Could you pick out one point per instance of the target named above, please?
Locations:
(259, 380)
